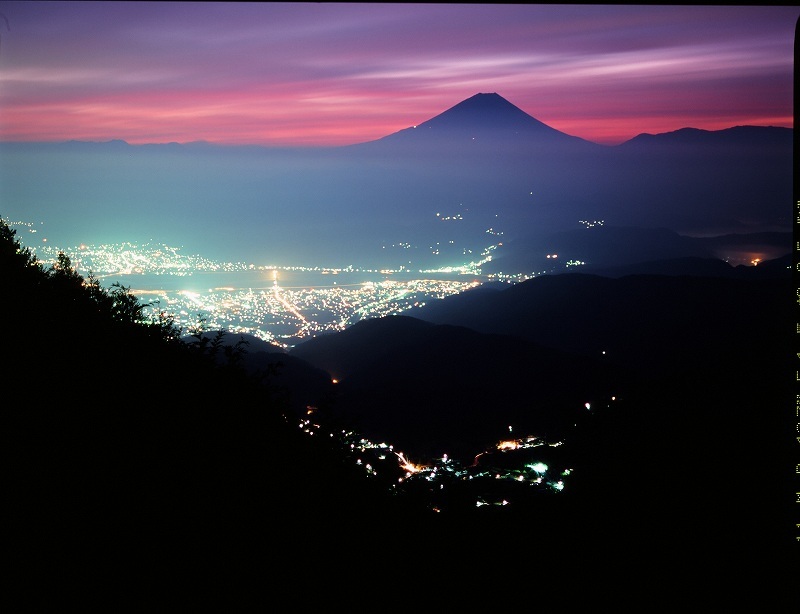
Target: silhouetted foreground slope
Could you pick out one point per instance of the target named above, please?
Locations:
(434, 390)
(127, 443)
(125, 438)
(700, 366)
(700, 448)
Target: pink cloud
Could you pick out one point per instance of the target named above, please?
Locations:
(333, 74)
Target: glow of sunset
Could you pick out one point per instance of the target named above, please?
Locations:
(329, 74)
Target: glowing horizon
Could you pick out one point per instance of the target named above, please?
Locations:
(330, 74)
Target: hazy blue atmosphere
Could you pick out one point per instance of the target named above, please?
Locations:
(431, 292)
(481, 173)
(315, 134)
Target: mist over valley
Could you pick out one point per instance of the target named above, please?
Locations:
(481, 174)
(500, 311)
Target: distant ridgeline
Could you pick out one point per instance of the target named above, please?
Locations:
(482, 179)
(657, 359)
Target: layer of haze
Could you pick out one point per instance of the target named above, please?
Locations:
(326, 74)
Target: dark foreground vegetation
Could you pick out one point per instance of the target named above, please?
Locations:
(127, 442)
(123, 436)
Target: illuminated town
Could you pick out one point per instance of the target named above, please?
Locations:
(513, 472)
(282, 305)
(198, 292)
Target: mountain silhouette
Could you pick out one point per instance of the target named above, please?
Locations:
(602, 248)
(497, 166)
(481, 174)
(702, 358)
(669, 326)
(753, 136)
(435, 389)
(291, 380)
(480, 120)
(697, 365)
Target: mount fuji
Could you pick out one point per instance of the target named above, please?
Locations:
(482, 174)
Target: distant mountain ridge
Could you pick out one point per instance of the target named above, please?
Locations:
(439, 389)
(603, 247)
(483, 116)
(448, 376)
(484, 112)
(691, 136)
(481, 175)
(589, 313)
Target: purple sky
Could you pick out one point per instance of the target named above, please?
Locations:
(335, 74)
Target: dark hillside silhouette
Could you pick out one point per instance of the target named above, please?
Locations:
(433, 390)
(646, 321)
(594, 248)
(125, 430)
(702, 365)
(292, 382)
(492, 172)
(129, 444)
(125, 438)
(611, 250)
(711, 358)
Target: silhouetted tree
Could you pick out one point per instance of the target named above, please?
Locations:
(124, 435)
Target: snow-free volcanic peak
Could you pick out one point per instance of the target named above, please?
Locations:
(485, 116)
(487, 111)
